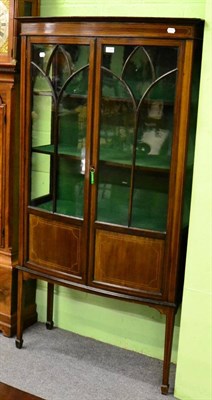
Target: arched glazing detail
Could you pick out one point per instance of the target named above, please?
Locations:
(138, 86)
(59, 114)
(138, 71)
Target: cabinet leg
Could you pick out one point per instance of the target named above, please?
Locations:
(20, 303)
(170, 317)
(50, 301)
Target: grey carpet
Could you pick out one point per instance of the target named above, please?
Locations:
(60, 365)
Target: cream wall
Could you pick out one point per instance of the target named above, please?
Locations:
(133, 326)
(145, 8)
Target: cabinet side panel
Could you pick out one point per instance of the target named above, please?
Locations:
(2, 133)
(128, 261)
(54, 245)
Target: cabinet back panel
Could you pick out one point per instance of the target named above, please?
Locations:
(54, 245)
(129, 261)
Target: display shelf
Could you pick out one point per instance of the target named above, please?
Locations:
(42, 92)
(153, 162)
(64, 207)
(113, 214)
(113, 158)
(61, 150)
(109, 211)
(149, 206)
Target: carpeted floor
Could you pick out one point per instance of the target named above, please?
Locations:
(60, 365)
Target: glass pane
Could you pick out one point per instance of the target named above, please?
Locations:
(155, 124)
(40, 195)
(70, 188)
(67, 60)
(27, 8)
(58, 125)
(41, 122)
(73, 115)
(42, 107)
(136, 127)
(117, 120)
(150, 200)
(116, 145)
(138, 71)
(41, 59)
(113, 194)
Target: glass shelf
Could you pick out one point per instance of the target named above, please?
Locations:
(62, 150)
(65, 207)
(153, 224)
(42, 92)
(160, 163)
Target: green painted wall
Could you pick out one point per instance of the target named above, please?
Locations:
(123, 324)
(194, 367)
(132, 326)
(145, 8)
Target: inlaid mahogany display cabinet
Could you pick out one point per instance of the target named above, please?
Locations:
(9, 177)
(108, 114)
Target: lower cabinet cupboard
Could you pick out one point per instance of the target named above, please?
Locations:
(108, 116)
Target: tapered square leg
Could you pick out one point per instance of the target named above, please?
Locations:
(19, 339)
(50, 302)
(170, 317)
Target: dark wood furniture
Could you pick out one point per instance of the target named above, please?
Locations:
(10, 393)
(108, 113)
(9, 175)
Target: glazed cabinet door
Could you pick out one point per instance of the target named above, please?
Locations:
(132, 157)
(105, 139)
(57, 131)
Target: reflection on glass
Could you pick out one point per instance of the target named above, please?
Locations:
(117, 120)
(113, 194)
(138, 70)
(59, 116)
(155, 123)
(40, 178)
(72, 115)
(150, 197)
(136, 128)
(27, 8)
(41, 120)
(70, 188)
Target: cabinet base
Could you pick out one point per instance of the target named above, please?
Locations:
(8, 325)
(8, 300)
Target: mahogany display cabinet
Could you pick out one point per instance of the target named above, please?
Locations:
(108, 117)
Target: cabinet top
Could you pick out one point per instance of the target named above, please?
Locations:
(172, 28)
